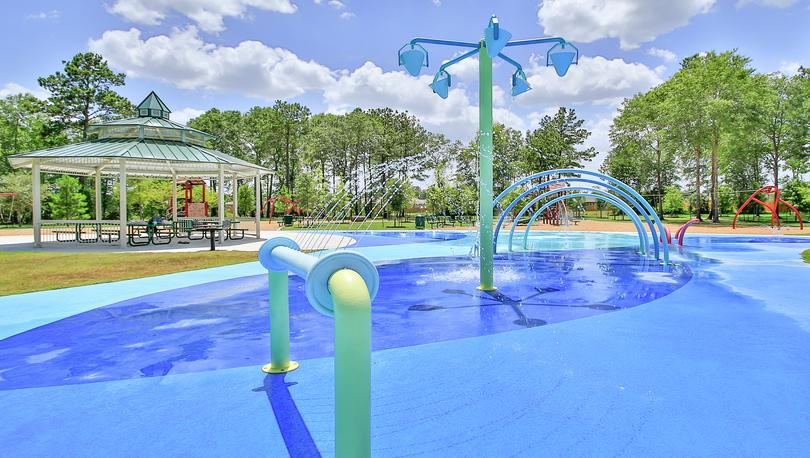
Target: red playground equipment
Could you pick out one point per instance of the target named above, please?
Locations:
(682, 230)
(186, 206)
(289, 205)
(772, 207)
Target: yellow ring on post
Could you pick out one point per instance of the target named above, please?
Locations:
(269, 369)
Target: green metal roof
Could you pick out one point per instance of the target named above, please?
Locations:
(143, 157)
(150, 144)
(149, 122)
(153, 102)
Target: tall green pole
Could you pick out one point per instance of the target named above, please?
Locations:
(485, 169)
(352, 303)
(279, 325)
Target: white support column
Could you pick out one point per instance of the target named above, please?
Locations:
(36, 181)
(174, 196)
(98, 193)
(221, 200)
(258, 205)
(235, 182)
(122, 202)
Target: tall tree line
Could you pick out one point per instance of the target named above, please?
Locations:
(715, 126)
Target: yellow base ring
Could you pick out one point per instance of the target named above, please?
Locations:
(479, 288)
(269, 369)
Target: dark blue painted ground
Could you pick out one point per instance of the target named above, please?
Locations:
(225, 324)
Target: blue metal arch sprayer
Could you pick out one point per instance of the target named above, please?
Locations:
(413, 56)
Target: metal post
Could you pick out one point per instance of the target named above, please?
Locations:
(485, 252)
(36, 182)
(352, 302)
(258, 217)
(122, 202)
(279, 324)
(235, 182)
(221, 200)
(174, 196)
(98, 194)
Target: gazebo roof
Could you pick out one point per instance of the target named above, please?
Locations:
(151, 145)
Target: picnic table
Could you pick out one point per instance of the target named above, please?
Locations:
(141, 233)
(211, 227)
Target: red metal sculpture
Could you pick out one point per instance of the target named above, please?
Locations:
(772, 207)
(289, 205)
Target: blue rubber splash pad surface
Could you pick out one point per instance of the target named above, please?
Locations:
(225, 324)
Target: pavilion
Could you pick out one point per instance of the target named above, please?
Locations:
(147, 145)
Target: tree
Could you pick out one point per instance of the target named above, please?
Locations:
(68, 202)
(642, 155)
(781, 119)
(84, 92)
(556, 143)
(673, 201)
(19, 183)
(148, 197)
(308, 191)
(709, 95)
(24, 126)
(229, 131)
(246, 200)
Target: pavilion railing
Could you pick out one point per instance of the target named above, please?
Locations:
(79, 231)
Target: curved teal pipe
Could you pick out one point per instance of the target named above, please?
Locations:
(544, 184)
(607, 198)
(619, 183)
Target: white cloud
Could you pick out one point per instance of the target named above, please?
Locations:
(14, 89)
(207, 14)
(771, 3)
(44, 15)
(185, 115)
(185, 60)
(599, 139)
(370, 87)
(347, 15)
(789, 68)
(631, 21)
(535, 116)
(665, 54)
(337, 4)
(595, 80)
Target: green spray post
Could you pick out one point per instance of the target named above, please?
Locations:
(340, 285)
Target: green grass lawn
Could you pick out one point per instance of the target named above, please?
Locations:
(25, 272)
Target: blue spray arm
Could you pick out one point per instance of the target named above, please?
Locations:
(457, 60)
(434, 41)
(534, 41)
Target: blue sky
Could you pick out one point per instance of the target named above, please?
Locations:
(336, 55)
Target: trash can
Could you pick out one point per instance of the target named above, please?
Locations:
(288, 220)
(420, 222)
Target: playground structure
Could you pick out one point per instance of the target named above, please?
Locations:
(772, 207)
(340, 285)
(7, 213)
(626, 199)
(561, 56)
(682, 231)
(290, 205)
(187, 207)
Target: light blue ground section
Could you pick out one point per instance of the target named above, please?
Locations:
(718, 368)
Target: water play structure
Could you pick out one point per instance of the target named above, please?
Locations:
(597, 183)
(339, 285)
(413, 56)
(772, 207)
